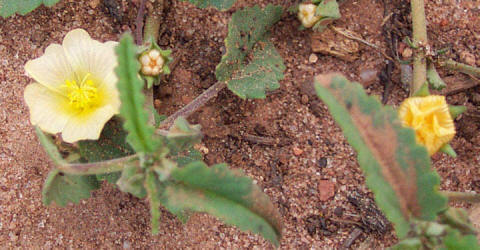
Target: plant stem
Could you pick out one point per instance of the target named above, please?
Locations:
(194, 105)
(139, 23)
(150, 33)
(419, 28)
(96, 167)
(464, 68)
(462, 196)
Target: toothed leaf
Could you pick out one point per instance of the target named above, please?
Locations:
(226, 194)
(140, 134)
(251, 66)
(22, 7)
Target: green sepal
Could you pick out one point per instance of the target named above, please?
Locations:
(434, 78)
(131, 181)
(64, 188)
(447, 149)
(140, 134)
(49, 146)
(422, 91)
(226, 194)
(10, 7)
(410, 43)
(456, 110)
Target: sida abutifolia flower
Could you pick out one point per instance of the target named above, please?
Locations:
(75, 91)
(429, 116)
(152, 63)
(306, 14)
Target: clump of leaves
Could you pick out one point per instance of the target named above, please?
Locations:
(22, 7)
(163, 169)
(397, 169)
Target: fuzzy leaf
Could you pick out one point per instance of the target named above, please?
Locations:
(140, 134)
(219, 4)
(22, 7)
(63, 188)
(131, 181)
(455, 240)
(111, 144)
(223, 193)
(397, 169)
(251, 64)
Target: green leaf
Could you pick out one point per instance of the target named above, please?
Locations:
(456, 241)
(456, 110)
(329, 11)
(223, 193)
(219, 4)
(153, 189)
(22, 7)
(131, 181)
(111, 144)
(182, 135)
(251, 64)
(408, 244)
(191, 155)
(434, 78)
(397, 169)
(63, 188)
(140, 134)
(447, 149)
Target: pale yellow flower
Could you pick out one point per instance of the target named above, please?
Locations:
(75, 91)
(306, 14)
(152, 63)
(430, 118)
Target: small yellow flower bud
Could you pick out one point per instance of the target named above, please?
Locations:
(306, 14)
(152, 63)
(430, 118)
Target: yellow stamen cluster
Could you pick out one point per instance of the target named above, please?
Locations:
(152, 63)
(81, 95)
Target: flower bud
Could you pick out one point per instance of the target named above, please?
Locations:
(306, 14)
(152, 63)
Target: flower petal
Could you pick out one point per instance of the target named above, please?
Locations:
(48, 109)
(87, 126)
(90, 56)
(51, 69)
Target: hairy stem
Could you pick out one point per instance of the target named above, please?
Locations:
(464, 68)
(420, 40)
(194, 105)
(462, 196)
(151, 33)
(139, 23)
(102, 167)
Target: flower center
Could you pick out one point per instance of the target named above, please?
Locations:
(81, 95)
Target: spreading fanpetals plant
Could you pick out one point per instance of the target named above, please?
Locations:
(75, 91)
(430, 117)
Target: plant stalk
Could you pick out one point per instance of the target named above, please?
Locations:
(194, 105)
(462, 196)
(151, 33)
(102, 167)
(420, 40)
(464, 68)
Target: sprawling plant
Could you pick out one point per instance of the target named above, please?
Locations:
(397, 169)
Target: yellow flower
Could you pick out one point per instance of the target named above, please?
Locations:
(75, 91)
(430, 118)
(306, 14)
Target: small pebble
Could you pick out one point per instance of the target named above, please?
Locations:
(313, 58)
(338, 211)
(467, 58)
(322, 162)
(304, 99)
(297, 151)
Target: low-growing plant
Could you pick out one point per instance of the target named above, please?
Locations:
(83, 83)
